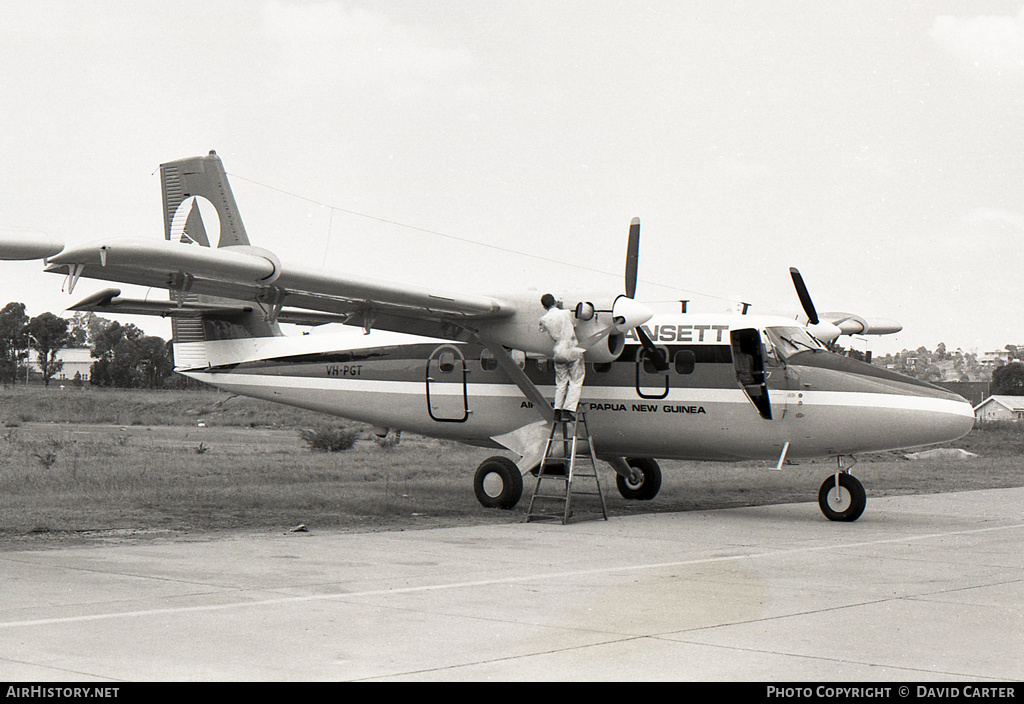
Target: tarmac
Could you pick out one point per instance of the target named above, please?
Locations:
(924, 588)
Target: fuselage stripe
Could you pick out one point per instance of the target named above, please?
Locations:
(623, 394)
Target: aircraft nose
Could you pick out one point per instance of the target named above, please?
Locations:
(888, 410)
(953, 419)
(925, 414)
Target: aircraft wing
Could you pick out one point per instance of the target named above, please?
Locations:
(250, 274)
(210, 268)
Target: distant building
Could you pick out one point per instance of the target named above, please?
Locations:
(77, 360)
(1000, 408)
(995, 358)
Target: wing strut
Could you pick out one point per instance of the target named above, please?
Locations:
(509, 366)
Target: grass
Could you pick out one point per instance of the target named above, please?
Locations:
(134, 407)
(79, 463)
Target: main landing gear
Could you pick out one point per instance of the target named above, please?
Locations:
(644, 480)
(499, 483)
(842, 496)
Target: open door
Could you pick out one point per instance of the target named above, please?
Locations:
(447, 400)
(748, 358)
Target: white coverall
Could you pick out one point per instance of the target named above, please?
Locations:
(568, 357)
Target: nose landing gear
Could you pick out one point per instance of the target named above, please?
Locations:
(842, 496)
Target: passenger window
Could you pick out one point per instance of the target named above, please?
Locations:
(685, 360)
(487, 360)
(446, 362)
(648, 359)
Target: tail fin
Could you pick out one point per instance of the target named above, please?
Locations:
(183, 183)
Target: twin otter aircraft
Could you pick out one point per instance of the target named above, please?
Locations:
(687, 386)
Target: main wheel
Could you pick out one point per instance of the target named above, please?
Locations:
(645, 482)
(844, 504)
(498, 483)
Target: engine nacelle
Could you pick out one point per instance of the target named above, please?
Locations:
(824, 331)
(851, 324)
(606, 348)
(598, 333)
(601, 328)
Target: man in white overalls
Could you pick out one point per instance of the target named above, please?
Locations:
(568, 358)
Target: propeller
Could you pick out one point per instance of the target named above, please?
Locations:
(656, 355)
(825, 331)
(632, 257)
(804, 296)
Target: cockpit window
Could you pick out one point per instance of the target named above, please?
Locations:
(790, 340)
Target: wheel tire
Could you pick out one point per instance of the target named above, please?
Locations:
(848, 504)
(649, 483)
(498, 483)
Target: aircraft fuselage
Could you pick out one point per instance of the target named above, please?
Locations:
(707, 405)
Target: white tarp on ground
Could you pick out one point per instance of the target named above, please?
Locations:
(941, 453)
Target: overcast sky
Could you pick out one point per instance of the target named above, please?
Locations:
(878, 146)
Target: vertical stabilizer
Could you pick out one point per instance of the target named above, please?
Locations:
(204, 177)
(190, 187)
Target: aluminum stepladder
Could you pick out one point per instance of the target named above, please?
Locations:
(559, 466)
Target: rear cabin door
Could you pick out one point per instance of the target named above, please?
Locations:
(447, 400)
(748, 358)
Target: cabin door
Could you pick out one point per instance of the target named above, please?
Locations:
(748, 358)
(447, 398)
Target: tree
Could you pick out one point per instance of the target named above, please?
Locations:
(1008, 379)
(85, 326)
(105, 341)
(126, 358)
(12, 341)
(154, 363)
(47, 335)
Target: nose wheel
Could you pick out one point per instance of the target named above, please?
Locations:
(842, 497)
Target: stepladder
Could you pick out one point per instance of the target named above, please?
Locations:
(569, 457)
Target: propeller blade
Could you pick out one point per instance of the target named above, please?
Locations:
(657, 356)
(805, 298)
(632, 256)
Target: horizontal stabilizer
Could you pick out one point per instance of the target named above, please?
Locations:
(109, 301)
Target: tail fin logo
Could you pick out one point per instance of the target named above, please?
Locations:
(198, 203)
(188, 225)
